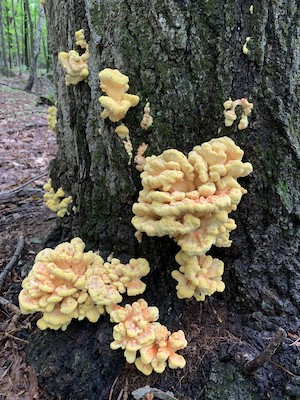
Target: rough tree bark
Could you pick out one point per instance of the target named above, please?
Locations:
(186, 58)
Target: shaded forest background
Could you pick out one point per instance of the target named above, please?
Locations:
(19, 32)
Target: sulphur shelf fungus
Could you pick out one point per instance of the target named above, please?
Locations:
(245, 46)
(190, 198)
(230, 115)
(156, 355)
(139, 158)
(106, 281)
(56, 200)
(138, 332)
(56, 286)
(123, 132)
(66, 283)
(147, 119)
(198, 276)
(75, 65)
(52, 118)
(117, 101)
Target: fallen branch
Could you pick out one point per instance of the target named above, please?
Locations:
(267, 353)
(14, 197)
(13, 261)
(18, 188)
(10, 306)
(11, 194)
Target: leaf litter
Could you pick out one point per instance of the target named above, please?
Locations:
(26, 148)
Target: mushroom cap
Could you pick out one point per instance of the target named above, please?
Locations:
(189, 198)
(198, 276)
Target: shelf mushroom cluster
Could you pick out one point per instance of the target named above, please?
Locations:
(137, 331)
(66, 283)
(189, 199)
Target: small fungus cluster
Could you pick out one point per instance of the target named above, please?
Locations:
(189, 199)
(56, 200)
(147, 119)
(199, 276)
(52, 118)
(137, 331)
(139, 158)
(117, 102)
(75, 65)
(66, 283)
(230, 115)
(245, 45)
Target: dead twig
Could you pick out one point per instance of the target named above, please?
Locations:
(15, 197)
(18, 188)
(10, 306)
(13, 261)
(267, 353)
(16, 338)
(125, 394)
(112, 388)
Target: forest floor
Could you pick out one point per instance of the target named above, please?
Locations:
(26, 147)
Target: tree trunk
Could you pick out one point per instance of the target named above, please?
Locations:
(16, 36)
(28, 29)
(8, 37)
(2, 40)
(186, 59)
(26, 39)
(35, 53)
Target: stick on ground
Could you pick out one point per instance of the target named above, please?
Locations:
(13, 261)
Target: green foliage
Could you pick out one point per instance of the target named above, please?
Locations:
(13, 15)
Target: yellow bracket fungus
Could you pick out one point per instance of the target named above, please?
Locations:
(156, 355)
(136, 331)
(245, 45)
(117, 102)
(133, 329)
(52, 118)
(56, 201)
(147, 119)
(75, 65)
(190, 198)
(106, 281)
(67, 283)
(139, 158)
(230, 115)
(198, 276)
(123, 132)
(56, 286)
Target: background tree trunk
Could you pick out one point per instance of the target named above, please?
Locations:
(16, 36)
(4, 62)
(185, 58)
(35, 52)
